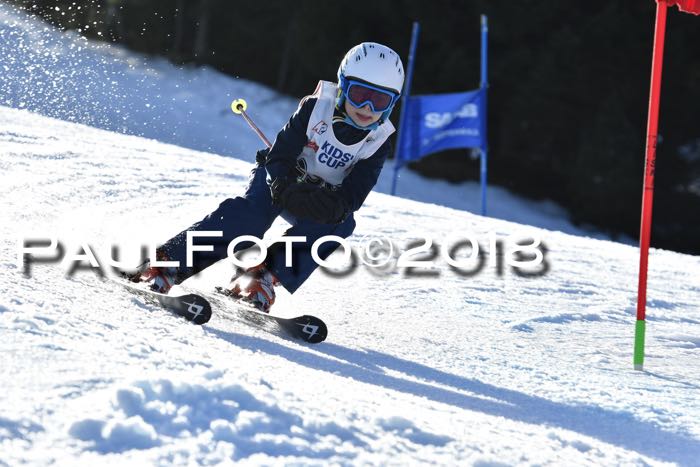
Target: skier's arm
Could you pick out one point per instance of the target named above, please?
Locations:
(363, 177)
(281, 157)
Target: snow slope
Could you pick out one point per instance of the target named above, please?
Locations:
(66, 76)
(486, 369)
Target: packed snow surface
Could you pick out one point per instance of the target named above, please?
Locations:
(440, 367)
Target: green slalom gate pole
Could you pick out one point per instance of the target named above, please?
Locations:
(639, 332)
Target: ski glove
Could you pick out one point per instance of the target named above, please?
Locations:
(315, 203)
(278, 186)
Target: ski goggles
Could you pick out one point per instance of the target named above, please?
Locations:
(360, 94)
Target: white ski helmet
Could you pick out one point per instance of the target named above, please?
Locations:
(372, 63)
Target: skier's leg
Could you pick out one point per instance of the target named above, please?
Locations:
(302, 262)
(250, 214)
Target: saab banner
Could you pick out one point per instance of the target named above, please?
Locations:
(443, 121)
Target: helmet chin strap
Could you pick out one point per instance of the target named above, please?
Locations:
(351, 122)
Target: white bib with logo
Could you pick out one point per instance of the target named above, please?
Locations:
(326, 157)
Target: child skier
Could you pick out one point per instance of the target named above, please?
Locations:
(318, 172)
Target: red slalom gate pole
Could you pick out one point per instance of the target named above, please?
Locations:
(649, 168)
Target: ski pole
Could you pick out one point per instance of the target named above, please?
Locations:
(238, 107)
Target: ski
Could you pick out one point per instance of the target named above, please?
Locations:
(304, 327)
(197, 308)
(191, 306)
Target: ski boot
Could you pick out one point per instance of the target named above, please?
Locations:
(160, 279)
(255, 285)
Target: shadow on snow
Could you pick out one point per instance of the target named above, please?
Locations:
(616, 428)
